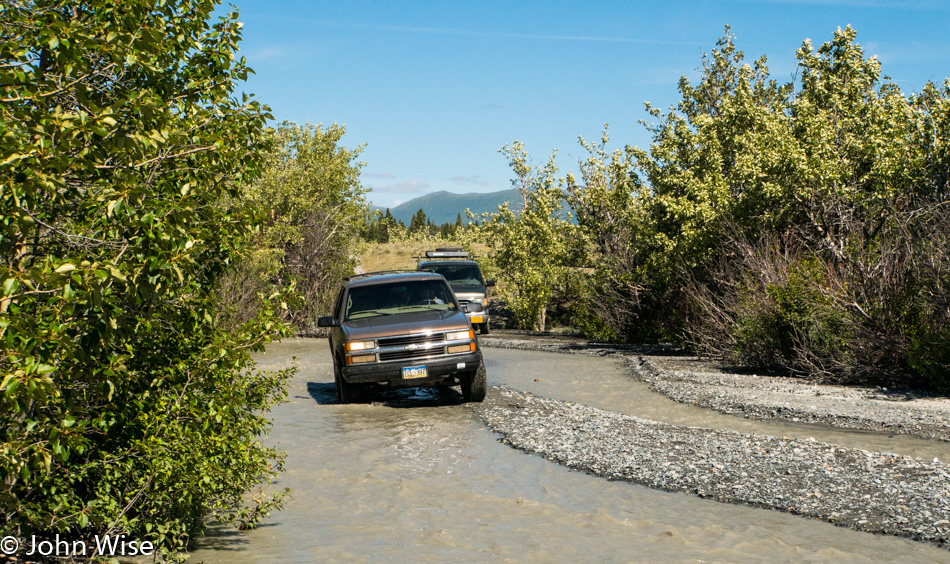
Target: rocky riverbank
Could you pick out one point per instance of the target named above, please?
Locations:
(871, 491)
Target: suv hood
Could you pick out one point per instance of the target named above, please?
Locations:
(405, 323)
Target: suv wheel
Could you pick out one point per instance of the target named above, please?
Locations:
(483, 328)
(475, 385)
(348, 393)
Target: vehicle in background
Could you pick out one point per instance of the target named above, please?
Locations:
(465, 278)
(400, 329)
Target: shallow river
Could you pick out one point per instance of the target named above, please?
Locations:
(414, 477)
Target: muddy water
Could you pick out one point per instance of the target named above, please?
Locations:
(605, 384)
(414, 477)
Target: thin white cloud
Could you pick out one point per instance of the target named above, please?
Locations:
(511, 35)
(408, 187)
(383, 175)
(477, 180)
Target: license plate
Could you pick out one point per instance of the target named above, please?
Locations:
(410, 372)
(476, 320)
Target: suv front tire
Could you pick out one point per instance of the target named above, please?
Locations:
(475, 385)
(348, 393)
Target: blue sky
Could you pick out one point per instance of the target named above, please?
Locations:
(434, 89)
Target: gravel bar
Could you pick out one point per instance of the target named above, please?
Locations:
(877, 492)
(903, 412)
(869, 491)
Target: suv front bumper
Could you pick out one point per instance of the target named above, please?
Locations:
(442, 369)
(477, 318)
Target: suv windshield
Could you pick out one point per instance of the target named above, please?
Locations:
(398, 297)
(458, 274)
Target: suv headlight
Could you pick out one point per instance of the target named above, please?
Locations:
(354, 346)
(459, 335)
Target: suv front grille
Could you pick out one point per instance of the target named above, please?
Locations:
(407, 355)
(411, 340)
(412, 346)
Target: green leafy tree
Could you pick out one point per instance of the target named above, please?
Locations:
(803, 222)
(628, 273)
(124, 407)
(726, 159)
(531, 250)
(796, 226)
(314, 208)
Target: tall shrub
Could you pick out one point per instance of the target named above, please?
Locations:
(314, 208)
(530, 249)
(851, 176)
(124, 407)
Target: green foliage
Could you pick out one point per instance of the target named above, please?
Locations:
(380, 227)
(383, 228)
(125, 408)
(846, 169)
(307, 173)
(314, 208)
(727, 158)
(629, 272)
(418, 222)
(798, 226)
(532, 249)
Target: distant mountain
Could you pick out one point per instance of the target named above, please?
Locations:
(444, 207)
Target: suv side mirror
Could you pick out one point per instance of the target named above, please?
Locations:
(489, 283)
(328, 321)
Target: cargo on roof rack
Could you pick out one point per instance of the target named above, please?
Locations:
(379, 272)
(447, 254)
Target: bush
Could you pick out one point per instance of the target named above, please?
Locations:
(314, 210)
(126, 407)
(873, 318)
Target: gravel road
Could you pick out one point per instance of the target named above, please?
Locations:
(871, 491)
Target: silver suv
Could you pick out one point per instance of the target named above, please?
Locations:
(466, 280)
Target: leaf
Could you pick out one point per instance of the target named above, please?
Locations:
(6, 381)
(116, 273)
(112, 206)
(10, 286)
(11, 158)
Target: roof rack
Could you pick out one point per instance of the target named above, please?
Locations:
(378, 272)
